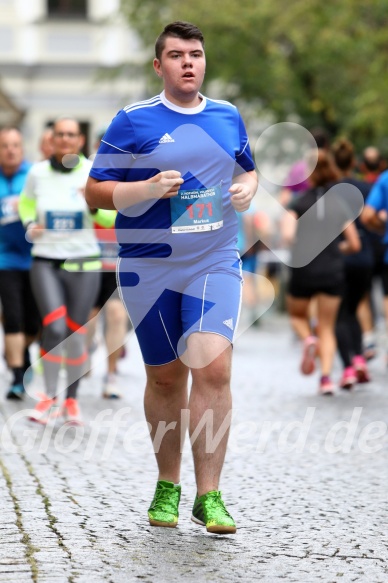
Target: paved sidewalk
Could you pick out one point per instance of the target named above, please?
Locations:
(305, 478)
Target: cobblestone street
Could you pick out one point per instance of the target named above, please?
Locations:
(305, 479)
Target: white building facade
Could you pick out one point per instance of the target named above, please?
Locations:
(57, 58)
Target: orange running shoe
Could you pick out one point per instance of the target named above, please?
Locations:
(44, 409)
(71, 412)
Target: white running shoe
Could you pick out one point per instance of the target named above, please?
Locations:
(110, 388)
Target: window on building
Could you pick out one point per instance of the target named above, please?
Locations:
(67, 8)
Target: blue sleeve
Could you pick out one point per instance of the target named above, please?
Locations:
(244, 156)
(378, 196)
(115, 154)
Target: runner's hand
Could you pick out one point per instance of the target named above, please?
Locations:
(34, 230)
(241, 196)
(165, 184)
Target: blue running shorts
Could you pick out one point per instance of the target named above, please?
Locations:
(166, 306)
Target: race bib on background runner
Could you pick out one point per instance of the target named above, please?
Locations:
(64, 220)
(197, 210)
(9, 209)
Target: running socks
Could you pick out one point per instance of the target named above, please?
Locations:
(18, 373)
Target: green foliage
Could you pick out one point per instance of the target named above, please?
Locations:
(322, 63)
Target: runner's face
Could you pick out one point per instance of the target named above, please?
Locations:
(182, 68)
(67, 138)
(11, 149)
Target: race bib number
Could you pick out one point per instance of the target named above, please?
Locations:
(64, 220)
(9, 210)
(195, 211)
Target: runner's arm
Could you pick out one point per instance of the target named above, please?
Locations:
(374, 219)
(111, 194)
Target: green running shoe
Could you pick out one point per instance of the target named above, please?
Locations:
(164, 507)
(209, 510)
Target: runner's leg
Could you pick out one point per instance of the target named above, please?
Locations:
(210, 397)
(165, 398)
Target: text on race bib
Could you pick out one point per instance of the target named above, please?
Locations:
(197, 210)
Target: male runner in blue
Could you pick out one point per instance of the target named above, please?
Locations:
(20, 315)
(375, 217)
(178, 167)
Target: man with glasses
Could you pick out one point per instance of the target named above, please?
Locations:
(65, 273)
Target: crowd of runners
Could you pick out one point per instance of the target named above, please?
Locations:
(330, 297)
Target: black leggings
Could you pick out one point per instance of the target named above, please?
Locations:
(348, 329)
(19, 310)
(64, 300)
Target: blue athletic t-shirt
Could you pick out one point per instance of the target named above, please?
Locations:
(15, 251)
(378, 199)
(208, 144)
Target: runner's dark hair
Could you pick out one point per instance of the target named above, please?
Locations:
(177, 29)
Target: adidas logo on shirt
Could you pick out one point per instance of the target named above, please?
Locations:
(166, 138)
(229, 323)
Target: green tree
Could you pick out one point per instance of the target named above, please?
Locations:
(322, 63)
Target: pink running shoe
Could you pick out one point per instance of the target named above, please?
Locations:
(359, 364)
(326, 387)
(349, 378)
(310, 346)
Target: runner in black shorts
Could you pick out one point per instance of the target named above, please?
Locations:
(322, 277)
(19, 313)
(20, 317)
